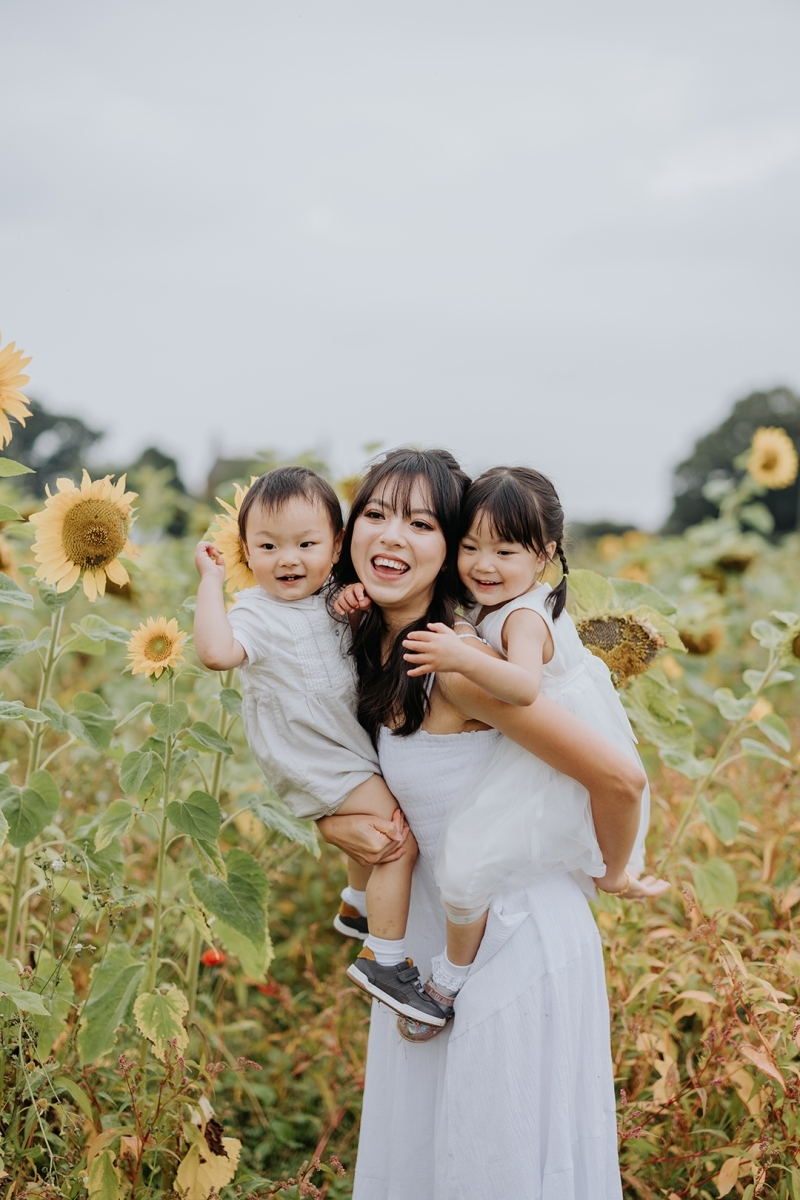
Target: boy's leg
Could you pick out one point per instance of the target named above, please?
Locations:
(381, 969)
(357, 876)
(389, 886)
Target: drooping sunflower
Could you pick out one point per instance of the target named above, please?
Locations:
(12, 402)
(238, 575)
(773, 458)
(84, 530)
(156, 646)
(627, 645)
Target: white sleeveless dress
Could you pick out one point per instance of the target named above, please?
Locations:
(520, 819)
(515, 1099)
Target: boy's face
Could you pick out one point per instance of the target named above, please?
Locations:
(291, 550)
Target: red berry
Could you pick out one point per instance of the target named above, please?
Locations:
(212, 958)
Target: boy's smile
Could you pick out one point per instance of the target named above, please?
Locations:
(291, 550)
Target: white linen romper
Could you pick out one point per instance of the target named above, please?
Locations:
(299, 702)
(520, 819)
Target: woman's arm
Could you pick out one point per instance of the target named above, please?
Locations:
(614, 781)
(369, 840)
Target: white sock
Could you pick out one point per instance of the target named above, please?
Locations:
(447, 976)
(356, 899)
(387, 953)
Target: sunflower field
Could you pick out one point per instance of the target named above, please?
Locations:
(174, 1016)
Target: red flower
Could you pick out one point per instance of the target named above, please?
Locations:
(212, 958)
(268, 989)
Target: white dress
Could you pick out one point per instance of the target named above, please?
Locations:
(515, 1099)
(520, 819)
(299, 703)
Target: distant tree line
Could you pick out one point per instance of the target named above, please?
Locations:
(54, 445)
(713, 455)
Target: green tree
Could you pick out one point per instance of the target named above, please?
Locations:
(713, 455)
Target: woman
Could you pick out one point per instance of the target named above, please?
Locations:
(515, 1099)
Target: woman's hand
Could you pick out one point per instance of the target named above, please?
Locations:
(352, 599)
(369, 840)
(648, 888)
(437, 649)
(209, 561)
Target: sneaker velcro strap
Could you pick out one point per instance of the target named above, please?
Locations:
(408, 974)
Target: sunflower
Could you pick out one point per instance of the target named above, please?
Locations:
(8, 560)
(84, 530)
(226, 534)
(12, 402)
(627, 645)
(773, 458)
(156, 646)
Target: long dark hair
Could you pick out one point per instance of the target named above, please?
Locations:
(386, 694)
(520, 505)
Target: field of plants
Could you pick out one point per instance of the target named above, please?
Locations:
(174, 1018)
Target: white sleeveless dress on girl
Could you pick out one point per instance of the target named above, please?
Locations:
(515, 1099)
(520, 819)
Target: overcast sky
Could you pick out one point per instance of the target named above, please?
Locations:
(556, 233)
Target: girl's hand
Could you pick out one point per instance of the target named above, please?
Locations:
(209, 561)
(351, 599)
(648, 888)
(437, 649)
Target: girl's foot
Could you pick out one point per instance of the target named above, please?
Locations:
(420, 1031)
(397, 986)
(349, 922)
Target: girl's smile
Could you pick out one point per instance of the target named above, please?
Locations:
(496, 571)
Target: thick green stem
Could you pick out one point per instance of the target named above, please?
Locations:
(15, 934)
(162, 854)
(717, 762)
(193, 963)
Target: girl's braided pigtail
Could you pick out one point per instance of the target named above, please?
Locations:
(558, 597)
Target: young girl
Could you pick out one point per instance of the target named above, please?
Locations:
(521, 819)
(299, 700)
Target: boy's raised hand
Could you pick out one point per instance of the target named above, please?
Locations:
(209, 561)
(437, 648)
(352, 599)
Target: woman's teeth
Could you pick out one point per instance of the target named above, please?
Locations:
(392, 564)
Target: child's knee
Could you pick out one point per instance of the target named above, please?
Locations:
(412, 850)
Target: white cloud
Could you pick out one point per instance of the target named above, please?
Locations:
(727, 159)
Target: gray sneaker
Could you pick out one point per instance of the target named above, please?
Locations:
(398, 987)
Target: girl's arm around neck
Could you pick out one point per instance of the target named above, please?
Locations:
(214, 642)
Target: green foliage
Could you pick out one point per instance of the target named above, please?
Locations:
(140, 832)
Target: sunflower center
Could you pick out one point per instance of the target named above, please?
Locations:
(769, 460)
(93, 534)
(158, 648)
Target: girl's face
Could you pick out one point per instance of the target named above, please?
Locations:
(397, 555)
(496, 571)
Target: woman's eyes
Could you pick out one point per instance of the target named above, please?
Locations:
(421, 525)
(374, 514)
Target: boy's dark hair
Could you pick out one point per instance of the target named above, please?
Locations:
(520, 505)
(277, 487)
(386, 694)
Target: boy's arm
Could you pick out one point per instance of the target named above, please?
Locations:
(516, 682)
(214, 642)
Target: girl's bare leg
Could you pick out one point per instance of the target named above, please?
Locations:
(463, 941)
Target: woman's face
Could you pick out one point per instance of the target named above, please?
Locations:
(397, 555)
